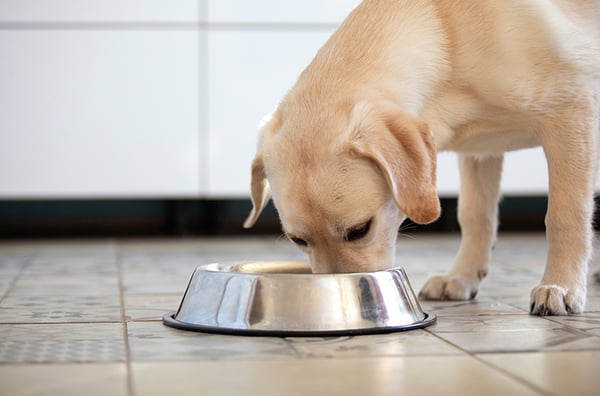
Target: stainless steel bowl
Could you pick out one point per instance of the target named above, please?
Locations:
(282, 298)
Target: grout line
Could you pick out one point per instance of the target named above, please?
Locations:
(203, 101)
(290, 345)
(475, 355)
(61, 323)
(514, 377)
(95, 25)
(25, 263)
(489, 365)
(267, 26)
(168, 26)
(126, 346)
(456, 346)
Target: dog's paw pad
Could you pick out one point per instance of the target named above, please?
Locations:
(448, 287)
(555, 300)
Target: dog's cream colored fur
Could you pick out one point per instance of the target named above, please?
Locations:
(351, 150)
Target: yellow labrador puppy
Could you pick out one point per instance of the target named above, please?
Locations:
(350, 152)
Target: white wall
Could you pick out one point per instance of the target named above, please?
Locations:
(147, 98)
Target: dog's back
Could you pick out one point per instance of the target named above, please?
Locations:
(523, 52)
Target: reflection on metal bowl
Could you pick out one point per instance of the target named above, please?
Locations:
(283, 298)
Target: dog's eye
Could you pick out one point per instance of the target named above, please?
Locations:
(299, 241)
(358, 232)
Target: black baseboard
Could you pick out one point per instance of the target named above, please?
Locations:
(124, 218)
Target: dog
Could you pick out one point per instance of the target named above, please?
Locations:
(350, 152)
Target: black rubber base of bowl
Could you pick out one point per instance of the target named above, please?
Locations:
(169, 320)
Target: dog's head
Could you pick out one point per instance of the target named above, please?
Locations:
(343, 180)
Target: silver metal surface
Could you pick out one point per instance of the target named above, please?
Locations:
(285, 298)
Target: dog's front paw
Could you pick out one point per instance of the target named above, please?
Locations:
(557, 300)
(449, 287)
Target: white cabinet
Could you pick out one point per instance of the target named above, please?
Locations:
(85, 11)
(105, 107)
(280, 12)
(249, 73)
(99, 113)
(144, 98)
(256, 52)
(524, 173)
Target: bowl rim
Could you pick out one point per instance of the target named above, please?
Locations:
(169, 320)
(218, 268)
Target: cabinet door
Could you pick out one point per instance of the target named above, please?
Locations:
(95, 11)
(524, 173)
(250, 71)
(256, 52)
(99, 112)
(277, 11)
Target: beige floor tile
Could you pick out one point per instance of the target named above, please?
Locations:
(64, 379)
(6, 282)
(66, 284)
(476, 307)
(404, 343)
(153, 341)
(151, 306)
(448, 375)
(510, 333)
(558, 373)
(11, 264)
(587, 322)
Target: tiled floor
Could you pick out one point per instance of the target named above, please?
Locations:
(83, 318)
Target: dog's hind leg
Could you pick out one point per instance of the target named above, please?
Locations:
(478, 218)
(571, 153)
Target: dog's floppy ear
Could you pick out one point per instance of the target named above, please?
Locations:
(260, 191)
(259, 185)
(402, 148)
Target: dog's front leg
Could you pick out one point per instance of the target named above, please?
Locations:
(572, 162)
(478, 218)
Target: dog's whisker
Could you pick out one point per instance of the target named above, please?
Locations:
(281, 236)
(405, 228)
(407, 236)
